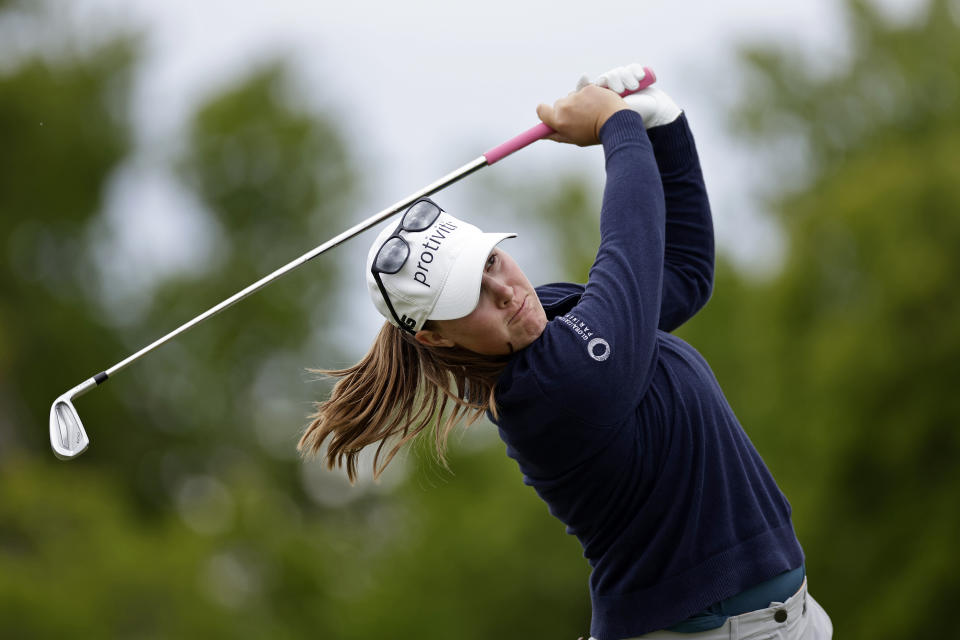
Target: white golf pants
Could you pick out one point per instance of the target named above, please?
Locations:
(799, 618)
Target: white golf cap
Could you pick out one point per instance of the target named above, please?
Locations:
(442, 274)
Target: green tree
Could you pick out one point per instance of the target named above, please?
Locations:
(189, 517)
(844, 362)
(178, 518)
(61, 140)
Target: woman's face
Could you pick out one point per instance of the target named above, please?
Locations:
(507, 318)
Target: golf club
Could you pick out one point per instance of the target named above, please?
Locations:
(67, 435)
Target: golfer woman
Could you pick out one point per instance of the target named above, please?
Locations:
(620, 427)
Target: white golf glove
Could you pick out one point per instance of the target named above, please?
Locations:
(655, 106)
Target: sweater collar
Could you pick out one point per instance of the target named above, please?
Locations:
(559, 297)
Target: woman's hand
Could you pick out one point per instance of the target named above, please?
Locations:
(577, 118)
(655, 106)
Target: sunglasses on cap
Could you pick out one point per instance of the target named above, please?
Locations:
(394, 251)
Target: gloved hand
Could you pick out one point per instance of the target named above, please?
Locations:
(654, 106)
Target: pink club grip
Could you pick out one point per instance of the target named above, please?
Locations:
(541, 130)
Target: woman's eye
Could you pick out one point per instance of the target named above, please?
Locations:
(491, 260)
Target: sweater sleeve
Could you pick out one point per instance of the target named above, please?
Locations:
(689, 250)
(596, 361)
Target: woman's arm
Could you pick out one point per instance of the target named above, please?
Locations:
(689, 251)
(597, 360)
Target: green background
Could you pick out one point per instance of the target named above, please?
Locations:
(191, 517)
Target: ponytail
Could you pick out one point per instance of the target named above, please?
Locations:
(397, 390)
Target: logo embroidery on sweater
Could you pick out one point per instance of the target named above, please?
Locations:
(600, 354)
(597, 348)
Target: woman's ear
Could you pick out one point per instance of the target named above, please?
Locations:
(431, 338)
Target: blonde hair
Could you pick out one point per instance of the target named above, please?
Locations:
(397, 390)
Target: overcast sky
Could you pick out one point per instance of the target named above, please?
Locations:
(423, 87)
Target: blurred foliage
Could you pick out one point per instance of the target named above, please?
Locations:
(190, 515)
(443, 557)
(61, 140)
(845, 364)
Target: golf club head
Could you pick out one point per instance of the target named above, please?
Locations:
(67, 435)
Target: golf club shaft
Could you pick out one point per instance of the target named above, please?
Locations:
(496, 154)
(442, 183)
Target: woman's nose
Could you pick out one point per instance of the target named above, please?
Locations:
(502, 292)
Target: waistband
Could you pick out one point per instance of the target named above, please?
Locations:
(785, 616)
(777, 589)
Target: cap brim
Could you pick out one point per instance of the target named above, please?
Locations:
(461, 291)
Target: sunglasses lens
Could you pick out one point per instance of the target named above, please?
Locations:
(391, 256)
(420, 216)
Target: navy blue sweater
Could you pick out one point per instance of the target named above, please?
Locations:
(622, 429)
